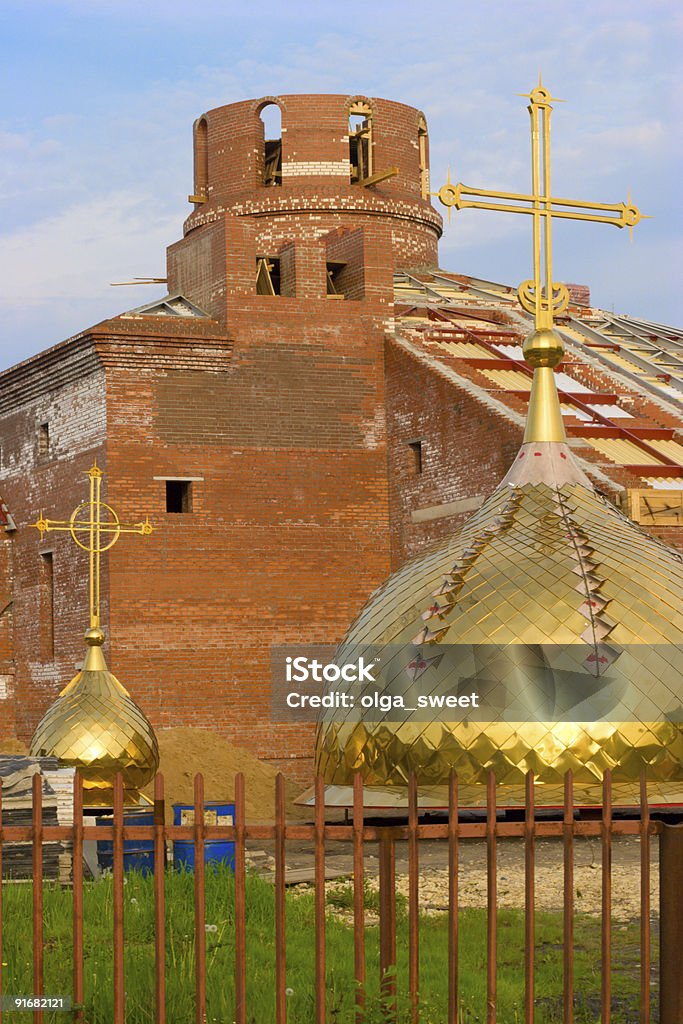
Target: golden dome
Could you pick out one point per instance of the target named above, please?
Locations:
(96, 727)
(547, 582)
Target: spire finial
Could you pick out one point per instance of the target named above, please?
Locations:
(101, 533)
(541, 296)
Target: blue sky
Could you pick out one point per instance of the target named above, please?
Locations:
(100, 96)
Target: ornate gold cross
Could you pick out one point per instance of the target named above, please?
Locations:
(101, 533)
(540, 296)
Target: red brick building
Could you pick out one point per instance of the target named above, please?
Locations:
(313, 402)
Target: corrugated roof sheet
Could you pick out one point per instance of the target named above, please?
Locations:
(466, 349)
(509, 380)
(664, 483)
(621, 451)
(673, 449)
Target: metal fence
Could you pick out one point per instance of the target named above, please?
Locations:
(356, 831)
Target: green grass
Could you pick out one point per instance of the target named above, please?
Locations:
(139, 959)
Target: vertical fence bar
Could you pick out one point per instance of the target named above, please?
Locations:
(413, 902)
(240, 905)
(671, 924)
(568, 903)
(529, 898)
(117, 883)
(387, 921)
(358, 895)
(159, 901)
(38, 891)
(645, 852)
(280, 937)
(1, 959)
(453, 868)
(199, 901)
(319, 853)
(77, 872)
(492, 897)
(606, 898)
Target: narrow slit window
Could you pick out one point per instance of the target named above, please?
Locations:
(423, 151)
(178, 496)
(201, 161)
(47, 606)
(360, 141)
(44, 440)
(416, 455)
(271, 119)
(267, 276)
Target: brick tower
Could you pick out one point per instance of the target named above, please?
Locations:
(251, 429)
(338, 202)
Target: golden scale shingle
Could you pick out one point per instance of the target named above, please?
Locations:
(547, 569)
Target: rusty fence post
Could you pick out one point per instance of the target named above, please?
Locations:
(387, 920)
(671, 924)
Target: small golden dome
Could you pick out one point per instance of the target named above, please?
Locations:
(96, 727)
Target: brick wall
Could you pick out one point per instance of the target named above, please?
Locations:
(7, 650)
(466, 450)
(63, 390)
(288, 536)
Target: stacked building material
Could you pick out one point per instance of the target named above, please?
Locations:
(61, 780)
(17, 774)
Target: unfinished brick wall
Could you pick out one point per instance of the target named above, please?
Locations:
(243, 217)
(282, 436)
(7, 651)
(465, 451)
(347, 248)
(44, 470)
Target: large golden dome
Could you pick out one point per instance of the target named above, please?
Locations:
(96, 727)
(564, 614)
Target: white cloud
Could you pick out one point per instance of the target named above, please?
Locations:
(81, 250)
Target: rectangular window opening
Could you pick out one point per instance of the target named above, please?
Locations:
(360, 142)
(267, 275)
(335, 287)
(178, 496)
(416, 449)
(272, 173)
(44, 439)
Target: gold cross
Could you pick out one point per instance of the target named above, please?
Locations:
(540, 296)
(101, 534)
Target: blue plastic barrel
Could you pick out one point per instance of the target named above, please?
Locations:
(216, 851)
(138, 854)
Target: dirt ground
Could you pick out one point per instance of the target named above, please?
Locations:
(510, 873)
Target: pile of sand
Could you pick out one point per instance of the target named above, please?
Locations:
(12, 746)
(186, 752)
